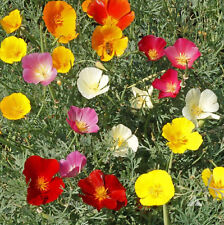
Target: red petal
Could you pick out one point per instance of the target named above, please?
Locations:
(86, 187)
(118, 8)
(170, 76)
(90, 200)
(112, 183)
(37, 166)
(35, 197)
(126, 20)
(159, 84)
(98, 10)
(109, 203)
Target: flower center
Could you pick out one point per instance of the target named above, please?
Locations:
(120, 141)
(82, 126)
(155, 191)
(109, 48)
(101, 193)
(42, 72)
(152, 54)
(196, 110)
(94, 87)
(58, 20)
(42, 184)
(170, 87)
(182, 59)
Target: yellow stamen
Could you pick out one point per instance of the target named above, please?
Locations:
(82, 126)
(42, 184)
(153, 54)
(155, 191)
(196, 110)
(170, 87)
(101, 193)
(109, 48)
(182, 59)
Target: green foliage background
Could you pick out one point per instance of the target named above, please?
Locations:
(46, 132)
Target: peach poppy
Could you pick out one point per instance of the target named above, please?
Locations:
(60, 20)
(108, 41)
(117, 12)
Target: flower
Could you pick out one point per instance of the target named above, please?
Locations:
(38, 68)
(60, 20)
(43, 188)
(117, 12)
(200, 105)
(180, 136)
(141, 98)
(152, 46)
(154, 188)
(168, 84)
(103, 191)
(63, 59)
(184, 52)
(15, 106)
(73, 164)
(11, 22)
(12, 49)
(214, 181)
(91, 82)
(83, 120)
(123, 140)
(108, 41)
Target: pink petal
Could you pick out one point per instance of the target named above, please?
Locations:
(51, 77)
(30, 77)
(159, 84)
(183, 44)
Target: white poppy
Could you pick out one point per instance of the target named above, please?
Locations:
(200, 105)
(141, 98)
(91, 82)
(123, 140)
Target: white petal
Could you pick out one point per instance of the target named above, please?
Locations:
(90, 75)
(121, 152)
(210, 115)
(150, 90)
(186, 113)
(148, 102)
(103, 90)
(133, 143)
(103, 81)
(208, 101)
(121, 131)
(192, 97)
(84, 89)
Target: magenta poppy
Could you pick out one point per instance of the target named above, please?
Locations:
(182, 53)
(73, 164)
(83, 120)
(152, 46)
(168, 84)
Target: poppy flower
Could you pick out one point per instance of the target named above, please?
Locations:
(83, 120)
(152, 46)
(154, 188)
(214, 180)
(117, 12)
(108, 41)
(12, 22)
(38, 68)
(200, 105)
(43, 188)
(60, 20)
(15, 106)
(63, 59)
(180, 136)
(92, 82)
(12, 49)
(123, 140)
(168, 84)
(103, 191)
(182, 53)
(73, 164)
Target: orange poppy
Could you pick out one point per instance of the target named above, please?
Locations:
(117, 12)
(108, 41)
(60, 20)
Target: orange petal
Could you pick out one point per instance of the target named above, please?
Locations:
(126, 20)
(118, 8)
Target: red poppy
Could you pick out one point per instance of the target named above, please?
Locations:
(117, 12)
(103, 191)
(152, 46)
(42, 187)
(168, 84)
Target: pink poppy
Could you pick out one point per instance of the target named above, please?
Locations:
(168, 84)
(83, 120)
(183, 52)
(73, 164)
(152, 46)
(38, 68)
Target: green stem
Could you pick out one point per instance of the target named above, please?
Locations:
(165, 209)
(41, 40)
(43, 101)
(73, 140)
(211, 161)
(51, 93)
